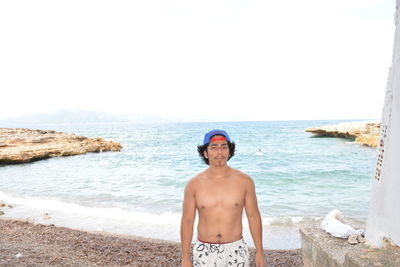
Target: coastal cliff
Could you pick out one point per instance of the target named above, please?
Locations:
(366, 133)
(19, 145)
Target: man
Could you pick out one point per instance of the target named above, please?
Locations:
(219, 194)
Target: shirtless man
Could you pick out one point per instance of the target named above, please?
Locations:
(219, 194)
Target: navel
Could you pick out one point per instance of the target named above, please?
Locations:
(219, 235)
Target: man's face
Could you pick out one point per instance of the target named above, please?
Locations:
(217, 151)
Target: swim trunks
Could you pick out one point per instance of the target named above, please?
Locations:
(233, 254)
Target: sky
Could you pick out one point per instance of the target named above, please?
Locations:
(219, 60)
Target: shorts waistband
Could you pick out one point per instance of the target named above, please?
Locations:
(220, 243)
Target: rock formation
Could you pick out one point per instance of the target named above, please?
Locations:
(366, 133)
(19, 145)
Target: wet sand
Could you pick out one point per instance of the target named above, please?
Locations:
(23, 243)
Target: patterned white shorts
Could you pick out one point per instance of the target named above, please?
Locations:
(233, 254)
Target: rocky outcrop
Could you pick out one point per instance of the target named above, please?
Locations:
(366, 133)
(19, 145)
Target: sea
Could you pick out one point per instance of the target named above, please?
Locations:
(139, 191)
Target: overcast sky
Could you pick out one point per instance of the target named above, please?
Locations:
(228, 60)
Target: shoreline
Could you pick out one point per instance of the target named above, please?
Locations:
(279, 233)
(23, 243)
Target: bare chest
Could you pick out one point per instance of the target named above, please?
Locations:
(211, 197)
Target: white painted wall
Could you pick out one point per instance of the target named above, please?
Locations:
(384, 214)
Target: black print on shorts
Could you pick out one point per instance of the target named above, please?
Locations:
(236, 258)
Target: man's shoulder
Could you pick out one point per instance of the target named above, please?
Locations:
(241, 175)
(196, 179)
(199, 176)
(244, 179)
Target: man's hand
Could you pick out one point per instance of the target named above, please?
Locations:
(186, 263)
(260, 262)
(188, 217)
(255, 223)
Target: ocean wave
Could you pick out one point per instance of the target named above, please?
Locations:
(56, 205)
(53, 205)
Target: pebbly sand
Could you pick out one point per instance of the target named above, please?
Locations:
(23, 243)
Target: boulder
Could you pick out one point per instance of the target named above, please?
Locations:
(18, 145)
(363, 132)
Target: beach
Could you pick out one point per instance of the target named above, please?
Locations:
(124, 209)
(23, 243)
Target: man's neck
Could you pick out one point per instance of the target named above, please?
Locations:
(218, 171)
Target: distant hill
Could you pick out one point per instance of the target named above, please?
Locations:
(79, 116)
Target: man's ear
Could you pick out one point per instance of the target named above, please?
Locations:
(205, 154)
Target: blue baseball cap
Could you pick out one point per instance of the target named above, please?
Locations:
(207, 136)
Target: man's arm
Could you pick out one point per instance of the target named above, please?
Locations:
(254, 218)
(188, 216)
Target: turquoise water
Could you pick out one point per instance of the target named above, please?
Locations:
(139, 190)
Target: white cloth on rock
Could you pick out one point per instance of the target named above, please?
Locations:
(332, 225)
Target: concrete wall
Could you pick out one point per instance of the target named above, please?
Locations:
(323, 250)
